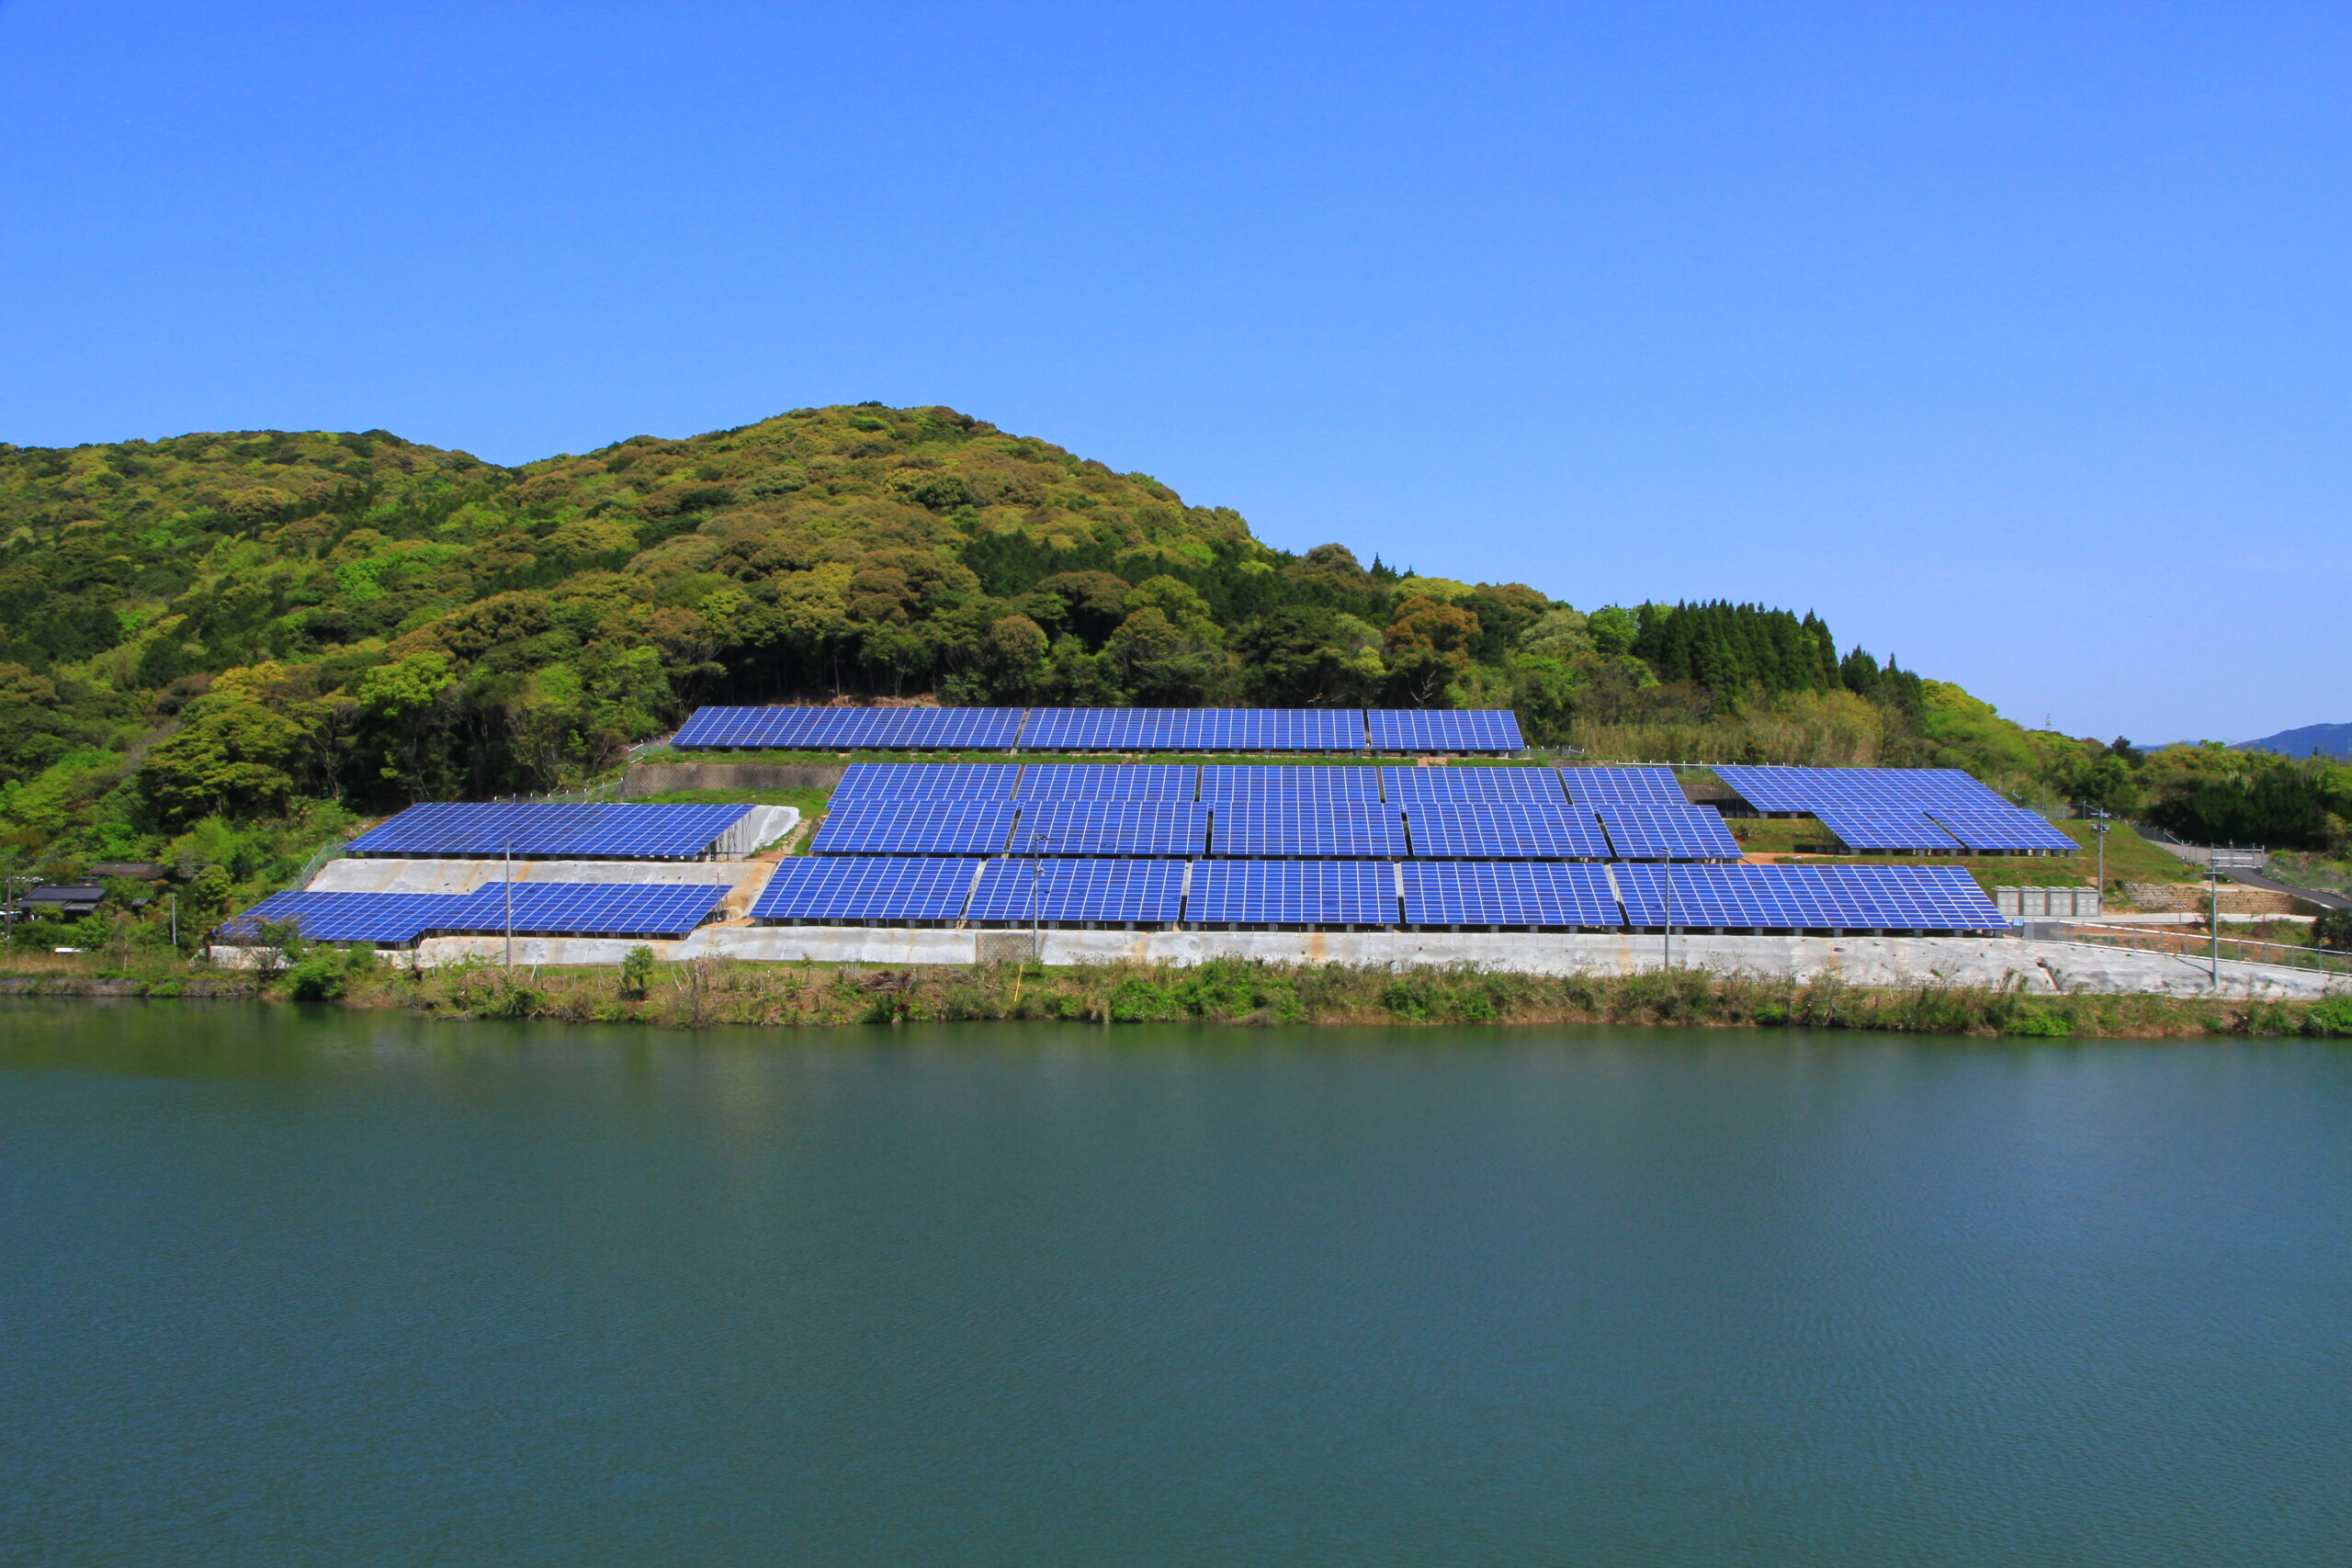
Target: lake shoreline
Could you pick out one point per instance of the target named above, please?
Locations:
(1244, 994)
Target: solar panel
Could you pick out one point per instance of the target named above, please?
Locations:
(1111, 825)
(1304, 827)
(1444, 729)
(1105, 729)
(1547, 829)
(915, 825)
(1315, 893)
(1883, 789)
(860, 890)
(1592, 785)
(586, 909)
(583, 908)
(1534, 895)
(2007, 831)
(1222, 782)
(1078, 893)
(1081, 781)
(1682, 832)
(1864, 832)
(1807, 898)
(560, 832)
(391, 918)
(1487, 784)
(849, 728)
(1273, 730)
(937, 781)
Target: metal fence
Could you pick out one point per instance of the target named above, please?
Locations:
(2195, 944)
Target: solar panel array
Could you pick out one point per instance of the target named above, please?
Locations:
(1311, 893)
(536, 908)
(1488, 784)
(2007, 831)
(1805, 897)
(852, 729)
(1900, 808)
(852, 890)
(970, 781)
(1533, 895)
(1302, 828)
(1443, 730)
(1864, 832)
(551, 833)
(1079, 893)
(1882, 789)
(1223, 783)
(1594, 785)
(1681, 831)
(1100, 729)
(1504, 830)
(916, 825)
(1348, 893)
(1132, 825)
(1082, 781)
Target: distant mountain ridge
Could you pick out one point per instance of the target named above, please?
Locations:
(2327, 740)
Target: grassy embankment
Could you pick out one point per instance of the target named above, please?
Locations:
(722, 992)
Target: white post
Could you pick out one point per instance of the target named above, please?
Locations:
(508, 871)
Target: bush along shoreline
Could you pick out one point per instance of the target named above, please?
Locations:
(718, 991)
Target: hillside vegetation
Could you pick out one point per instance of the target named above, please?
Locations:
(217, 648)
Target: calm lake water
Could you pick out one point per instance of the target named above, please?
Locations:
(323, 1289)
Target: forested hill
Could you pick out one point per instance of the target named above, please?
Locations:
(227, 626)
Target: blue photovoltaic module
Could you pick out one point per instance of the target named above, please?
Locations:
(1221, 783)
(1681, 831)
(944, 781)
(1549, 829)
(538, 908)
(1444, 729)
(551, 833)
(1308, 827)
(1596, 785)
(1539, 895)
(1808, 897)
(1494, 785)
(1111, 825)
(1078, 893)
(1106, 781)
(1868, 831)
(1310, 893)
(915, 825)
(1880, 789)
(892, 890)
(2007, 831)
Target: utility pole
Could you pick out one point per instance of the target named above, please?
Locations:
(2214, 881)
(1036, 897)
(2098, 830)
(1669, 912)
(510, 903)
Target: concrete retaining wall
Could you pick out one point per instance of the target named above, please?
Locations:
(2192, 897)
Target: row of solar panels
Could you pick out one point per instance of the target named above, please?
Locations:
(893, 891)
(1944, 830)
(535, 909)
(1101, 729)
(1218, 784)
(552, 832)
(1807, 790)
(1317, 829)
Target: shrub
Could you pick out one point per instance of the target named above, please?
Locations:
(2040, 1021)
(2331, 1017)
(320, 977)
(636, 972)
(1136, 1000)
(2333, 929)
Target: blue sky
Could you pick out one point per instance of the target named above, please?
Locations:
(2011, 339)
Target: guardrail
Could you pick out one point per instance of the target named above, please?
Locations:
(2199, 945)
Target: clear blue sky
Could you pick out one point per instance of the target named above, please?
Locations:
(2013, 339)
